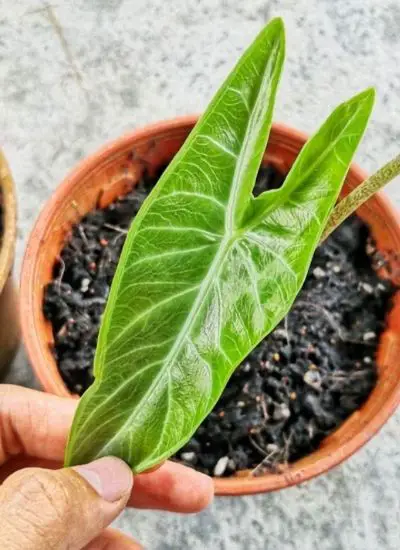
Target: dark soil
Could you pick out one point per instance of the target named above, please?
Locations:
(298, 385)
(76, 299)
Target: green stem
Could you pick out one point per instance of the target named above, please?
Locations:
(361, 194)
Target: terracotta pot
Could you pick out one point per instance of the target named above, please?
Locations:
(112, 171)
(9, 326)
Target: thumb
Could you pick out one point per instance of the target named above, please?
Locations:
(62, 509)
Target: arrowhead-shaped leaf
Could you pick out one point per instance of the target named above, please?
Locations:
(207, 270)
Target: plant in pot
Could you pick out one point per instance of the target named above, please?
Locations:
(9, 326)
(204, 287)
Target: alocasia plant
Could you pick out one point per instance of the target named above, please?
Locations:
(208, 270)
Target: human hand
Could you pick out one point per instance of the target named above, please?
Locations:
(57, 509)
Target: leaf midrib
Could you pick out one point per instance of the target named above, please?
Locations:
(231, 235)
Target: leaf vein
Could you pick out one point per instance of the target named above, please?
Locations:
(146, 312)
(259, 242)
(219, 145)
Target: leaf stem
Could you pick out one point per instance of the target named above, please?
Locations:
(361, 194)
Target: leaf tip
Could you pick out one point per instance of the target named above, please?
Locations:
(371, 95)
(366, 97)
(277, 26)
(359, 105)
(274, 35)
(368, 94)
(278, 23)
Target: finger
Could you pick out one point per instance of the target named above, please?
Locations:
(38, 423)
(33, 423)
(63, 509)
(22, 461)
(172, 487)
(111, 539)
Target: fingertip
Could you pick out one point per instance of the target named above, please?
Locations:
(110, 477)
(173, 487)
(202, 493)
(192, 490)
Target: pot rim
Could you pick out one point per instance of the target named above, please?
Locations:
(236, 485)
(8, 238)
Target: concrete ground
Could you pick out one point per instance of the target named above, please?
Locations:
(76, 73)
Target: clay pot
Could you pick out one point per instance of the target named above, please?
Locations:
(9, 326)
(112, 171)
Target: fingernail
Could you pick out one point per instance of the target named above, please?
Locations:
(110, 477)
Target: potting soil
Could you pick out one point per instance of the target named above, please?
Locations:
(298, 385)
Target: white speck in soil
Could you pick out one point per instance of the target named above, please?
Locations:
(281, 412)
(313, 379)
(280, 333)
(85, 285)
(367, 288)
(368, 336)
(188, 456)
(318, 273)
(220, 466)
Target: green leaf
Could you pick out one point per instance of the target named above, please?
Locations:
(207, 270)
